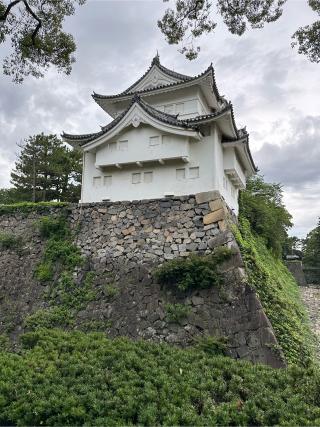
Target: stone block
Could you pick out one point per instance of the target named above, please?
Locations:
(216, 204)
(219, 240)
(223, 225)
(213, 217)
(207, 196)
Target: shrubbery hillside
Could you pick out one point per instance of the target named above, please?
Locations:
(72, 378)
(279, 295)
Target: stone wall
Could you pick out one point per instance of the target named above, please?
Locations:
(123, 242)
(312, 275)
(295, 268)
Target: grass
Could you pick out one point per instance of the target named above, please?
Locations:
(10, 241)
(73, 378)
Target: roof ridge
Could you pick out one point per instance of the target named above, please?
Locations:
(128, 93)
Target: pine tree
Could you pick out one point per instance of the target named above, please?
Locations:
(47, 170)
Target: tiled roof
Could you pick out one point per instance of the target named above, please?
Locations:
(163, 117)
(156, 61)
(97, 96)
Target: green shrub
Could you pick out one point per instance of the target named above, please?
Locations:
(193, 272)
(26, 207)
(177, 312)
(279, 295)
(5, 343)
(111, 290)
(76, 379)
(71, 295)
(10, 241)
(63, 252)
(52, 227)
(95, 325)
(52, 317)
(44, 271)
(212, 345)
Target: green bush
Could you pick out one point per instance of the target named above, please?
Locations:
(177, 312)
(279, 295)
(10, 241)
(53, 227)
(78, 379)
(52, 317)
(26, 207)
(44, 271)
(193, 272)
(212, 345)
(111, 290)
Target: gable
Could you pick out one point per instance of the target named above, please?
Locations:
(154, 78)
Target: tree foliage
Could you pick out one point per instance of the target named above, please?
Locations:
(34, 28)
(311, 248)
(46, 170)
(190, 19)
(261, 204)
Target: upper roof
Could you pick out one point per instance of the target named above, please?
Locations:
(146, 86)
(156, 63)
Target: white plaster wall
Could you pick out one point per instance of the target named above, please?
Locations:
(221, 181)
(201, 154)
(139, 149)
(206, 154)
(192, 97)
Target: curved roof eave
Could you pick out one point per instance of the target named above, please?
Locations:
(125, 95)
(168, 119)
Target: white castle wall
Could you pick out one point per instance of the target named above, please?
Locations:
(207, 155)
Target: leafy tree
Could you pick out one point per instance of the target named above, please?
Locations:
(190, 19)
(261, 204)
(47, 170)
(311, 248)
(10, 195)
(292, 246)
(34, 28)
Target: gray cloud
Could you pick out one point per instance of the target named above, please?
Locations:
(295, 162)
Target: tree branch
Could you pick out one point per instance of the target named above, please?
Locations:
(29, 10)
(7, 11)
(32, 13)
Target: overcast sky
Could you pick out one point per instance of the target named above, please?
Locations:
(275, 91)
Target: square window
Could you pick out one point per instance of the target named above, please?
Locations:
(123, 145)
(96, 181)
(107, 180)
(194, 172)
(180, 174)
(136, 178)
(112, 146)
(148, 177)
(154, 140)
